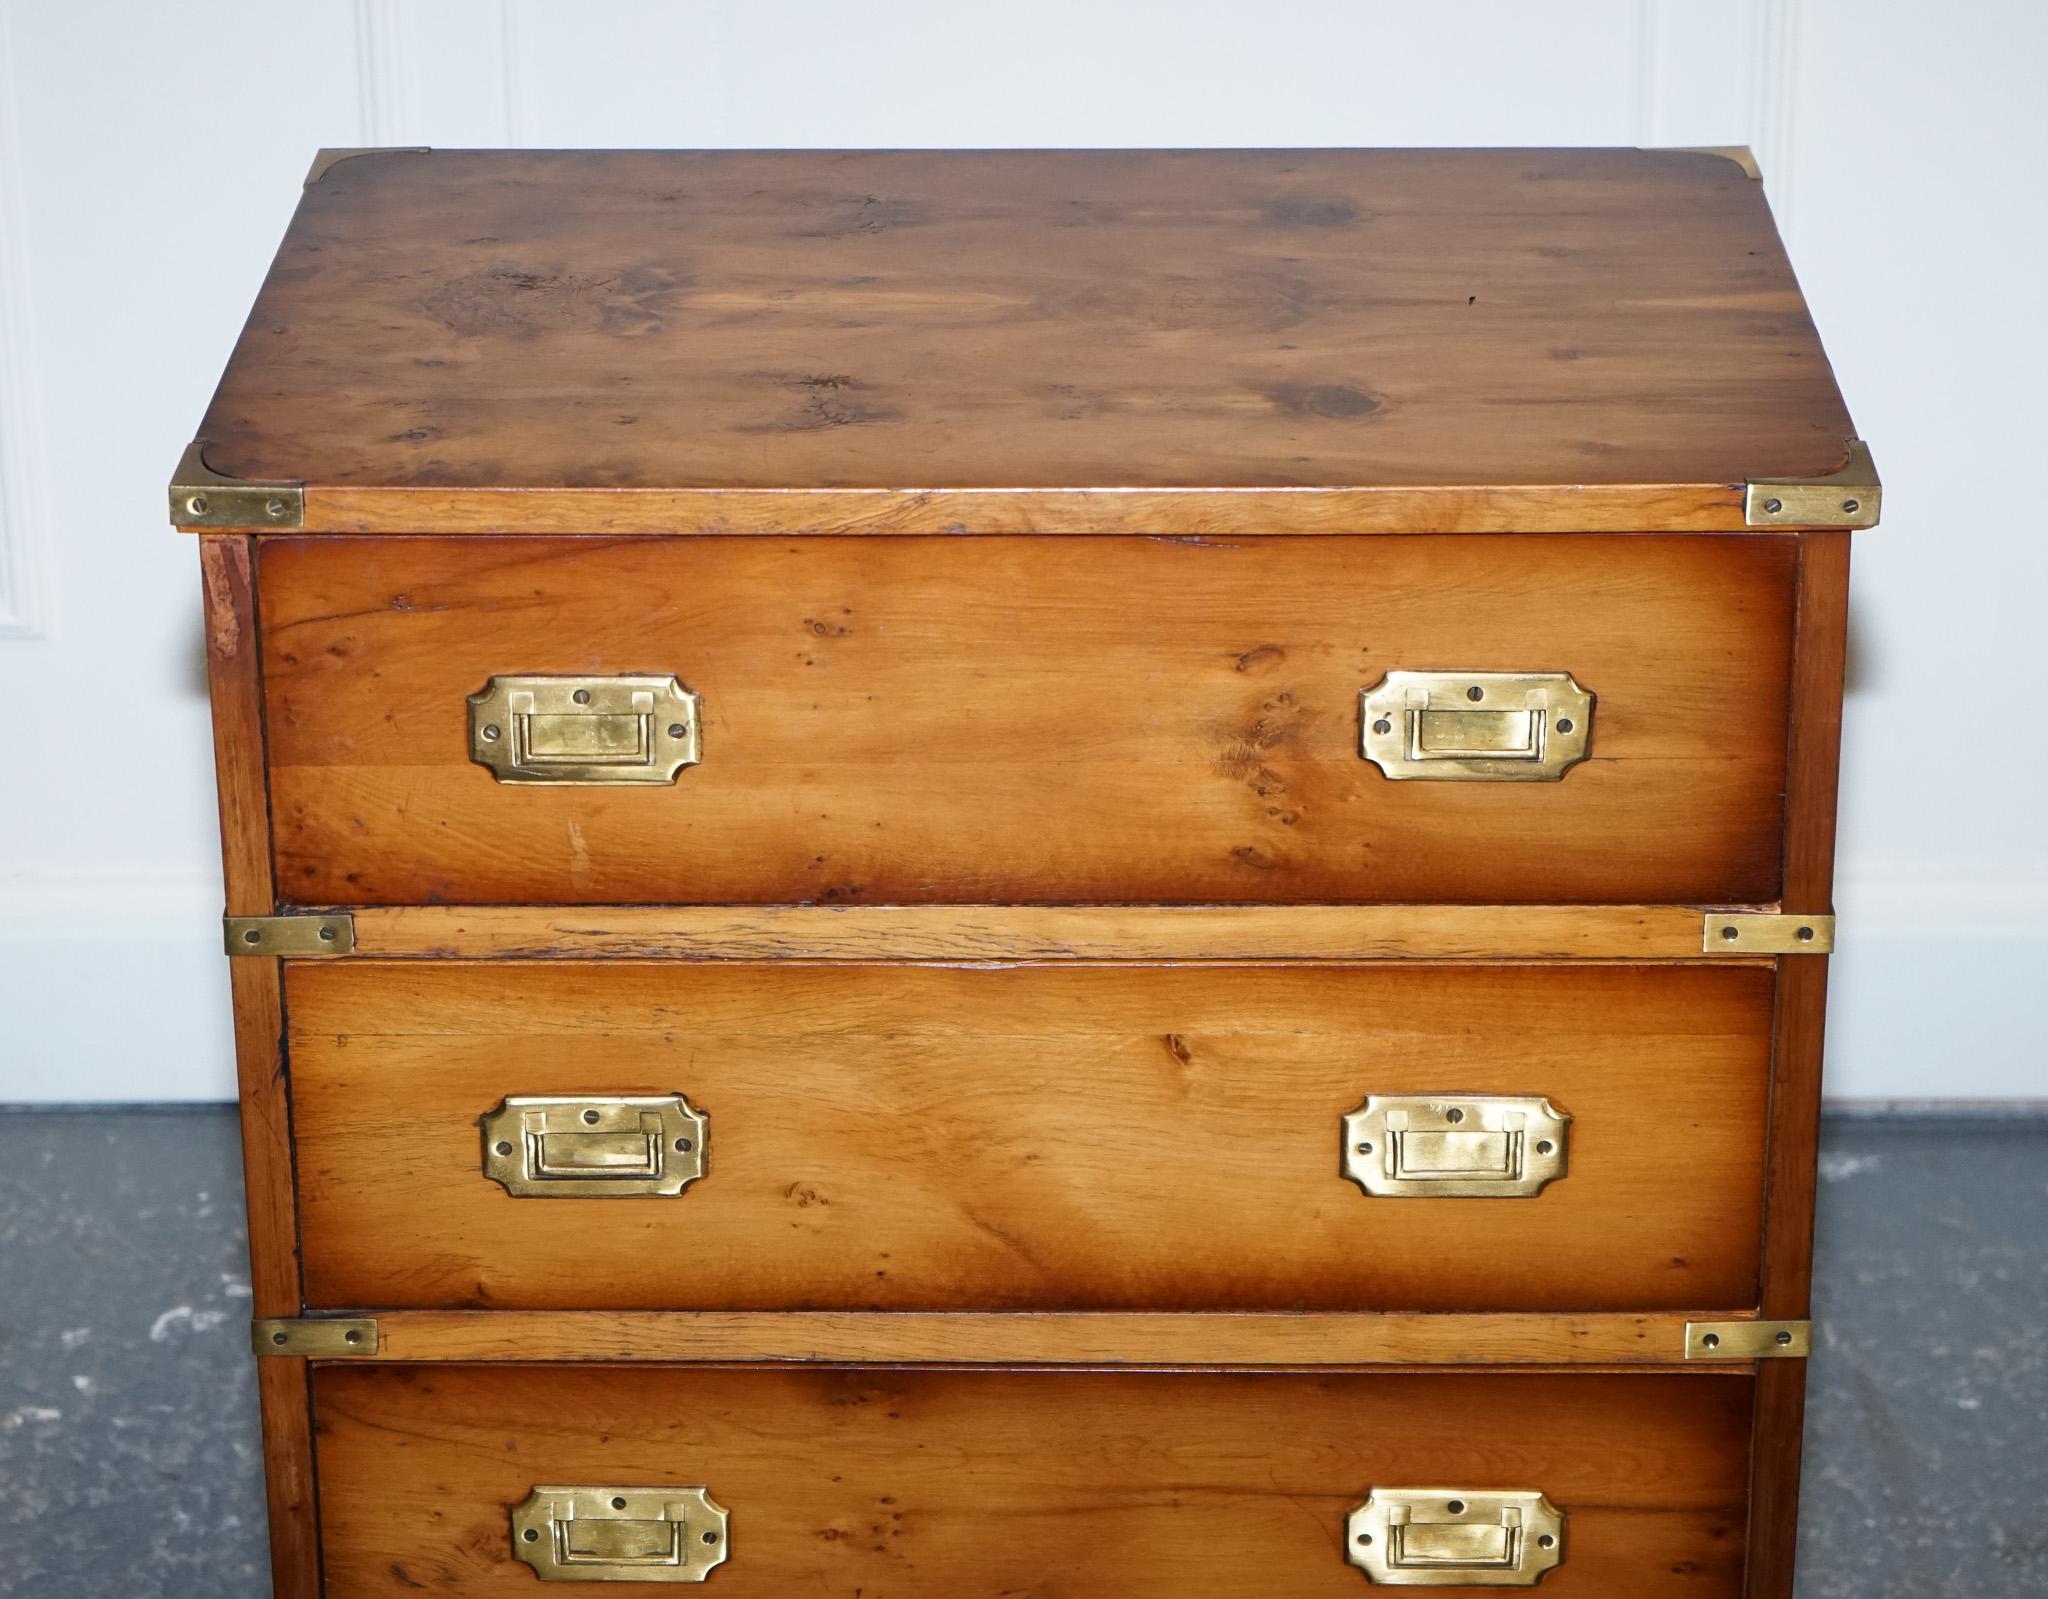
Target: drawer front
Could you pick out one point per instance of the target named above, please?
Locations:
(1045, 720)
(1032, 1137)
(1139, 1485)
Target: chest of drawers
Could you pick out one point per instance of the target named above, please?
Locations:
(1083, 874)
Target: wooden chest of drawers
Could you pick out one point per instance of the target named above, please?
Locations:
(1073, 874)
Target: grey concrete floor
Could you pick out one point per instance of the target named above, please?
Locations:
(128, 1452)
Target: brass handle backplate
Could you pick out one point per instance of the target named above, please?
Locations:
(610, 1534)
(1476, 726)
(1468, 1146)
(1455, 1537)
(602, 1147)
(593, 731)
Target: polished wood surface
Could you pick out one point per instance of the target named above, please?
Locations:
(1033, 932)
(1028, 720)
(1089, 1338)
(1142, 1485)
(1048, 1138)
(1284, 326)
(234, 679)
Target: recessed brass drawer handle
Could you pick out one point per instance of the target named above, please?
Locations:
(1471, 1146)
(584, 730)
(610, 1534)
(610, 1147)
(1455, 1537)
(1476, 726)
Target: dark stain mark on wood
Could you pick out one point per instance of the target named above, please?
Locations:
(1309, 213)
(525, 302)
(1339, 402)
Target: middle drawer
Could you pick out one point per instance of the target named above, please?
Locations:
(1398, 1136)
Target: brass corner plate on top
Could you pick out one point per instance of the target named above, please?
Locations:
(326, 160)
(600, 1533)
(1470, 1146)
(202, 498)
(1766, 933)
(315, 1337)
(297, 937)
(1740, 154)
(1455, 1537)
(587, 731)
(1475, 726)
(614, 1146)
(1748, 1340)
(1849, 497)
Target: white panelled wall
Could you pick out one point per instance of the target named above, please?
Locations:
(150, 156)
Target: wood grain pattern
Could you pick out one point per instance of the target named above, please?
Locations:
(1028, 720)
(1265, 337)
(234, 679)
(1048, 1138)
(1032, 932)
(1813, 768)
(1406, 1340)
(1139, 1484)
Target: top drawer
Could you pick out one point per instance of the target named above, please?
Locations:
(1042, 720)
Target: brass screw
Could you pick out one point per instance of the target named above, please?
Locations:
(490, 734)
(196, 505)
(276, 507)
(1851, 507)
(1774, 506)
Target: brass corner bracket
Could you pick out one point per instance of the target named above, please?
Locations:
(290, 937)
(1849, 497)
(326, 160)
(1748, 1340)
(1766, 933)
(1740, 154)
(315, 1337)
(201, 497)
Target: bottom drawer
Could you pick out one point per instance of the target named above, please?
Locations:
(898, 1484)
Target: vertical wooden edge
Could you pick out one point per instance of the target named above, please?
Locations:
(235, 686)
(1812, 775)
(1774, 1478)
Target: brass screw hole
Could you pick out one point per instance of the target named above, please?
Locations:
(351, 1337)
(1456, 1507)
(1365, 1537)
(501, 1147)
(682, 1146)
(1475, 692)
(274, 507)
(490, 734)
(531, 1535)
(278, 1339)
(590, 1118)
(676, 730)
(581, 696)
(1383, 726)
(1712, 1340)
(1365, 1149)
(1454, 1115)
(1544, 1146)
(197, 505)
(1774, 506)
(711, 1537)
(1547, 1542)
(326, 935)
(1784, 1338)
(618, 1503)
(253, 936)
(1731, 934)
(1564, 724)
(1805, 935)
(1851, 507)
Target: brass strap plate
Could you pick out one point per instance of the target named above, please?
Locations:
(290, 937)
(594, 1147)
(617, 1534)
(1748, 1340)
(1747, 933)
(1468, 1146)
(588, 731)
(1851, 497)
(1455, 1537)
(315, 1337)
(1512, 727)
